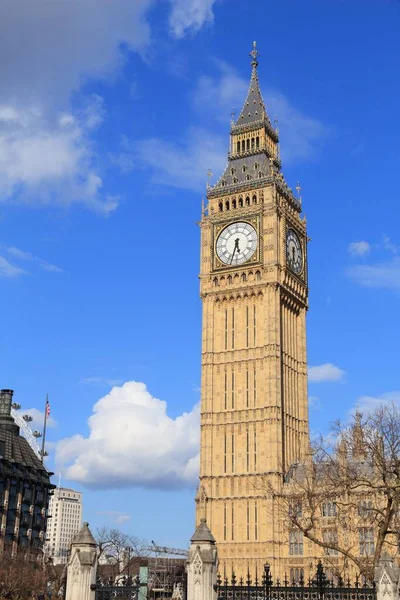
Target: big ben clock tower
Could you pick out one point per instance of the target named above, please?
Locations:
(253, 283)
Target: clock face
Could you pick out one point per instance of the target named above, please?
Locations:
(237, 243)
(294, 252)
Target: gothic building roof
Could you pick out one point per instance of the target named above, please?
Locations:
(84, 536)
(246, 169)
(253, 108)
(203, 533)
(16, 455)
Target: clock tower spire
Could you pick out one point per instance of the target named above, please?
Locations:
(253, 285)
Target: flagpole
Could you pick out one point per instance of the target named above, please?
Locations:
(44, 426)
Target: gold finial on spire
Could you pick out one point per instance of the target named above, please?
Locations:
(233, 114)
(298, 188)
(254, 54)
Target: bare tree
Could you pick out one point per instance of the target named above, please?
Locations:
(345, 497)
(118, 548)
(22, 576)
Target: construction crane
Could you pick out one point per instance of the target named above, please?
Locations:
(165, 550)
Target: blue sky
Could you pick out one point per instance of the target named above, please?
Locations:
(110, 116)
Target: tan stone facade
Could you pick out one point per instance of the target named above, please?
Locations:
(254, 414)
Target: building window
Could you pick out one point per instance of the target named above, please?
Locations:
(247, 388)
(224, 521)
(233, 452)
(295, 509)
(248, 520)
(220, 206)
(233, 203)
(255, 450)
(296, 543)
(247, 451)
(366, 539)
(225, 452)
(330, 536)
(255, 520)
(364, 508)
(329, 509)
(297, 576)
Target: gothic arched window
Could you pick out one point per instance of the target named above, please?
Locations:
(220, 206)
(227, 205)
(240, 202)
(233, 203)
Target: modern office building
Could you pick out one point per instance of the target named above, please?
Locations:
(65, 509)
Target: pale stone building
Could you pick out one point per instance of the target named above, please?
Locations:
(254, 409)
(65, 509)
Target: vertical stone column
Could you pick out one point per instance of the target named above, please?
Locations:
(387, 579)
(202, 564)
(82, 566)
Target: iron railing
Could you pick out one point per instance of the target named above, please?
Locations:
(318, 588)
(126, 588)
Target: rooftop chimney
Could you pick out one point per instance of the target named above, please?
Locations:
(6, 420)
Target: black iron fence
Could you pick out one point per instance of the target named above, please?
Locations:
(317, 588)
(125, 588)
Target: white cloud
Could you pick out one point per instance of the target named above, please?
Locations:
(219, 95)
(46, 149)
(132, 441)
(359, 248)
(189, 16)
(38, 419)
(314, 403)
(367, 404)
(181, 165)
(27, 256)
(65, 43)
(115, 516)
(325, 372)
(8, 269)
(389, 245)
(45, 159)
(379, 275)
(101, 381)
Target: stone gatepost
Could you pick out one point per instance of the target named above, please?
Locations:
(387, 576)
(82, 566)
(202, 565)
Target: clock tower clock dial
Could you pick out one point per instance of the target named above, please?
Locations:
(237, 243)
(294, 252)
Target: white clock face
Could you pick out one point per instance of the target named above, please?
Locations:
(294, 252)
(237, 243)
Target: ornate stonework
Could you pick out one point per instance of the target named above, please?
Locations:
(254, 414)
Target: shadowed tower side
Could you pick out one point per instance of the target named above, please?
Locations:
(253, 285)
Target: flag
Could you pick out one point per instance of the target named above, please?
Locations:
(47, 409)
